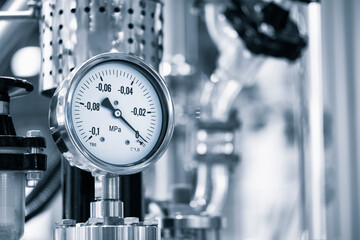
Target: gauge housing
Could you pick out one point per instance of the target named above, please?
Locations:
(62, 127)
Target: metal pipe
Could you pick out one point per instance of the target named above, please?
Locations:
(235, 68)
(220, 178)
(13, 32)
(201, 196)
(31, 14)
(13, 13)
(107, 187)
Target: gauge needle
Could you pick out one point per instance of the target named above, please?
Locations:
(117, 114)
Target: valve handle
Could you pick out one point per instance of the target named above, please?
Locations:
(13, 87)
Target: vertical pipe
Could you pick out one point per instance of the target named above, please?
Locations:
(78, 192)
(131, 194)
(316, 137)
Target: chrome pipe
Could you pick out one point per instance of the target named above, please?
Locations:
(32, 13)
(220, 178)
(201, 196)
(13, 32)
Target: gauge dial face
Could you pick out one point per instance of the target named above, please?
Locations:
(116, 113)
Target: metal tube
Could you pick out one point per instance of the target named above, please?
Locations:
(19, 15)
(220, 177)
(31, 14)
(201, 196)
(11, 33)
(107, 187)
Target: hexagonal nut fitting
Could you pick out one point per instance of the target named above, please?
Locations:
(64, 223)
(131, 220)
(33, 133)
(151, 222)
(32, 178)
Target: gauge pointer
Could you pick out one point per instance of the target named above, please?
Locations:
(117, 114)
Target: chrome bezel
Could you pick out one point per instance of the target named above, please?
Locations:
(64, 132)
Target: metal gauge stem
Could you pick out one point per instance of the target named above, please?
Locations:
(113, 114)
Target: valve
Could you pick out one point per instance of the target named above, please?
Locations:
(21, 161)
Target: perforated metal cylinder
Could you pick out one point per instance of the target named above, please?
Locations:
(72, 31)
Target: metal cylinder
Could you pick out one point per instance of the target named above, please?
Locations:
(102, 209)
(98, 232)
(72, 31)
(107, 187)
(12, 205)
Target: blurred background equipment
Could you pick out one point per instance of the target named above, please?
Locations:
(265, 105)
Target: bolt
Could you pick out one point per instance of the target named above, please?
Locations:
(131, 220)
(65, 223)
(32, 178)
(34, 133)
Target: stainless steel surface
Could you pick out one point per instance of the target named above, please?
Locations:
(96, 232)
(63, 130)
(74, 31)
(106, 208)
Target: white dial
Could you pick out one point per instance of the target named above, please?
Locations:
(116, 113)
(113, 114)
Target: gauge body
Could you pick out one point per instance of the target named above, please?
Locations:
(113, 114)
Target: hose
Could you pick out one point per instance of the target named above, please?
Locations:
(45, 190)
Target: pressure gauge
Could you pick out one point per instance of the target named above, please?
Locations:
(113, 114)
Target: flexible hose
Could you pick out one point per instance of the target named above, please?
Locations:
(44, 191)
